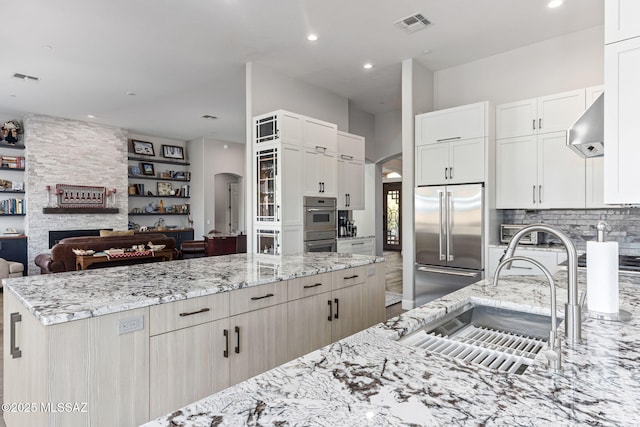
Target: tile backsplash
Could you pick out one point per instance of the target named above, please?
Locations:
(580, 225)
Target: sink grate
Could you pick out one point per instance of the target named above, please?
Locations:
(503, 351)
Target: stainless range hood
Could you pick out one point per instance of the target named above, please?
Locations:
(586, 135)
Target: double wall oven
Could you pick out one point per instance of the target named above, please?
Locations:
(320, 224)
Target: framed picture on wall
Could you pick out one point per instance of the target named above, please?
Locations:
(147, 169)
(164, 188)
(143, 148)
(172, 152)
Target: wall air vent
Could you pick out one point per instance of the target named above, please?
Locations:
(209, 116)
(413, 23)
(25, 77)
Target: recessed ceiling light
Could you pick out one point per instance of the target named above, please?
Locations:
(367, 66)
(555, 3)
(91, 116)
(426, 51)
(312, 37)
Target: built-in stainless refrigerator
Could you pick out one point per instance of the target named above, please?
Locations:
(449, 239)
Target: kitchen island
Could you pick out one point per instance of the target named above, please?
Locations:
(370, 379)
(122, 345)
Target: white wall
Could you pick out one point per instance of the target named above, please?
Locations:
(363, 124)
(388, 135)
(210, 157)
(563, 63)
(365, 219)
(271, 90)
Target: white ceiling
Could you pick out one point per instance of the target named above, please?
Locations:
(185, 58)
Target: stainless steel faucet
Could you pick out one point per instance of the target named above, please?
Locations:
(572, 309)
(554, 353)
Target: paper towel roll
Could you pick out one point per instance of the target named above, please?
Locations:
(602, 277)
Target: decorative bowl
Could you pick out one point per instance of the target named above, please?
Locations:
(83, 251)
(156, 247)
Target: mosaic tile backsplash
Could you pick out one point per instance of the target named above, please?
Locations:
(580, 225)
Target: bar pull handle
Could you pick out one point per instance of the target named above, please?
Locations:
(345, 157)
(237, 330)
(330, 310)
(539, 193)
(319, 187)
(448, 139)
(321, 149)
(451, 172)
(15, 351)
(202, 310)
(262, 297)
(449, 221)
(312, 286)
(350, 277)
(534, 124)
(226, 345)
(534, 194)
(337, 301)
(441, 205)
(540, 123)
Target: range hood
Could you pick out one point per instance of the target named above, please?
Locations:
(586, 135)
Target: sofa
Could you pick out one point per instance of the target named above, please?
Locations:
(63, 259)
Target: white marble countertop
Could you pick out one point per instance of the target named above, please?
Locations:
(545, 247)
(369, 379)
(63, 297)
(355, 238)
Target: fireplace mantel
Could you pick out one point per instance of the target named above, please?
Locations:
(80, 210)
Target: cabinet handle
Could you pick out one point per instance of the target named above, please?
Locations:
(539, 193)
(540, 123)
(356, 244)
(350, 277)
(445, 173)
(321, 149)
(451, 172)
(534, 194)
(15, 351)
(448, 139)
(323, 187)
(202, 310)
(349, 196)
(337, 301)
(226, 345)
(345, 157)
(262, 297)
(237, 349)
(330, 311)
(319, 187)
(312, 286)
(534, 124)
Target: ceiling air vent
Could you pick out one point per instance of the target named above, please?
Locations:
(413, 23)
(25, 77)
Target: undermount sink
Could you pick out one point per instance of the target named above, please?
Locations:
(498, 338)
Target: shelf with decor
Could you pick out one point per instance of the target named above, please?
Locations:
(155, 178)
(156, 196)
(157, 213)
(154, 160)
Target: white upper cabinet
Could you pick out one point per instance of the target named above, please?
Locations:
(350, 171)
(546, 114)
(465, 122)
(278, 126)
(539, 172)
(621, 20)
(622, 121)
(320, 135)
(451, 145)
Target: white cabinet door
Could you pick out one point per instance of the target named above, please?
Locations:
(561, 174)
(621, 122)
(621, 20)
(432, 164)
(466, 161)
(516, 118)
(464, 122)
(350, 185)
(549, 259)
(320, 173)
(317, 133)
(516, 173)
(559, 111)
(592, 93)
(328, 174)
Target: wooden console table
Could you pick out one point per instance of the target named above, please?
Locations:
(84, 261)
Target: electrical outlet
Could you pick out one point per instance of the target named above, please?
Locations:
(130, 325)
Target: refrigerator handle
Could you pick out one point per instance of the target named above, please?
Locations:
(449, 221)
(450, 272)
(441, 224)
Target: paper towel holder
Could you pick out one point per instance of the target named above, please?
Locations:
(621, 315)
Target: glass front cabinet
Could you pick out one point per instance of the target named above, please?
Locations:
(268, 189)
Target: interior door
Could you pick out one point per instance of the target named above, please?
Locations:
(392, 224)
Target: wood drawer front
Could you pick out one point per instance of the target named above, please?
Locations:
(256, 297)
(182, 314)
(310, 285)
(349, 277)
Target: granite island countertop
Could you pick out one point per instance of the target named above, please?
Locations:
(63, 297)
(371, 379)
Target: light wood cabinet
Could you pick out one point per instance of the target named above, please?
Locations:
(364, 246)
(538, 172)
(621, 20)
(621, 124)
(549, 259)
(350, 186)
(373, 296)
(534, 116)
